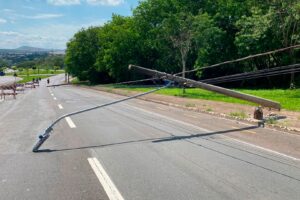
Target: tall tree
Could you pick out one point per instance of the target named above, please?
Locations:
(81, 54)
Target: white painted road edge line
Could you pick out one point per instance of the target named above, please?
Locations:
(262, 148)
(60, 106)
(206, 130)
(70, 122)
(109, 187)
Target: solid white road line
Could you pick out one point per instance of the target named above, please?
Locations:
(70, 122)
(262, 148)
(60, 106)
(109, 187)
(224, 136)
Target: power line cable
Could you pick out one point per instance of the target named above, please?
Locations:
(251, 74)
(242, 59)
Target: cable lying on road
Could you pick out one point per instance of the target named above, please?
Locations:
(46, 134)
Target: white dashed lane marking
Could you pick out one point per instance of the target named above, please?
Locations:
(70, 122)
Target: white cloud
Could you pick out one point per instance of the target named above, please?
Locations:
(9, 33)
(43, 16)
(7, 10)
(63, 2)
(3, 21)
(29, 7)
(91, 2)
(105, 2)
(53, 36)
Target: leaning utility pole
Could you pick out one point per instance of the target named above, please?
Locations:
(192, 83)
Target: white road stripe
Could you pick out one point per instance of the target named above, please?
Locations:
(109, 187)
(206, 130)
(60, 106)
(52, 94)
(55, 98)
(70, 122)
(262, 148)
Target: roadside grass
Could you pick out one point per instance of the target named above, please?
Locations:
(271, 121)
(209, 110)
(29, 78)
(190, 105)
(32, 72)
(289, 99)
(240, 114)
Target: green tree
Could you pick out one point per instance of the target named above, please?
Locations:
(118, 48)
(82, 52)
(178, 28)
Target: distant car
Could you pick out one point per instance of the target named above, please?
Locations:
(2, 74)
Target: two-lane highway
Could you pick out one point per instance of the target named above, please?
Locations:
(137, 150)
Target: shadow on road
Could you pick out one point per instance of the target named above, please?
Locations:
(186, 138)
(202, 134)
(154, 140)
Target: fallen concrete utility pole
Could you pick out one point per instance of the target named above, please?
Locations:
(46, 134)
(192, 83)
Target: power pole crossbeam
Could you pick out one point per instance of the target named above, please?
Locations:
(258, 100)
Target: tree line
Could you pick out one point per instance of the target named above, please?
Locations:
(179, 35)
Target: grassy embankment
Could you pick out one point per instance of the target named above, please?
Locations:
(289, 99)
(27, 76)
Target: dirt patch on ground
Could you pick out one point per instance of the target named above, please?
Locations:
(284, 120)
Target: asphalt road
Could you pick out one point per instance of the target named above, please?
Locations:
(138, 150)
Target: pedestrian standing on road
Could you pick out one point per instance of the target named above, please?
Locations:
(48, 81)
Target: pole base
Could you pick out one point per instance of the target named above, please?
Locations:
(42, 139)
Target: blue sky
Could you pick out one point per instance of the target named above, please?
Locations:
(51, 23)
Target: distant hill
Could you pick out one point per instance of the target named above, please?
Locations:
(27, 53)
(28, 49)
